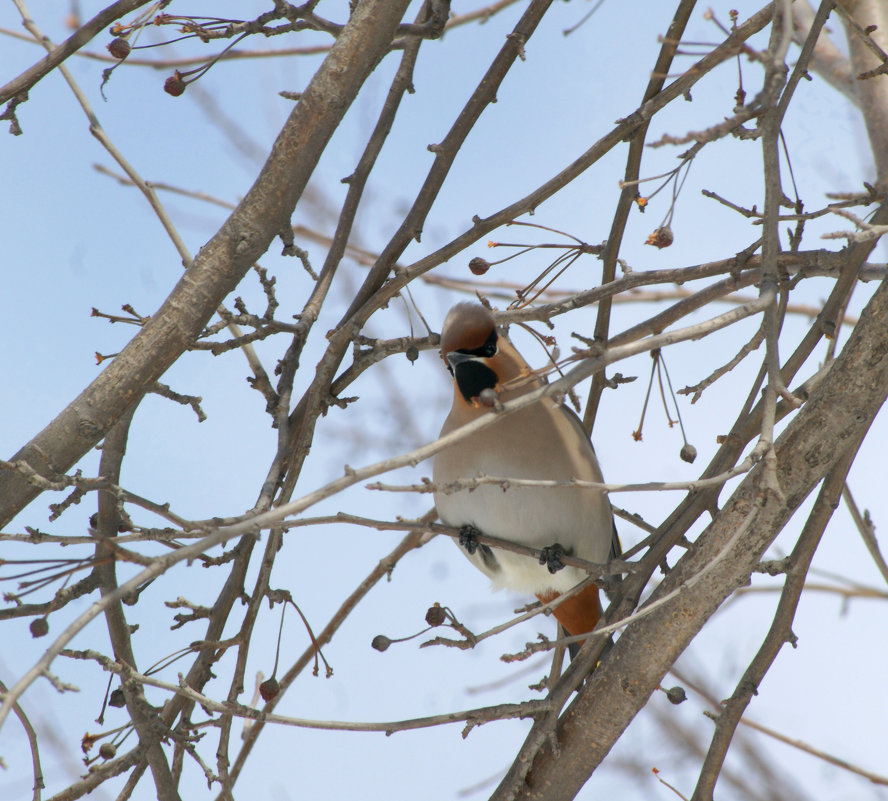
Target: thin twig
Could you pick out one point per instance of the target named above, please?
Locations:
(867, 531)
(32, 743)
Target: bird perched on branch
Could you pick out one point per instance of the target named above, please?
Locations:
(541, 441)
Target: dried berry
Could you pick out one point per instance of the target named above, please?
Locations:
(107, 750)
(116, 699)
(39, 627)
(676, 695)
(380, 642)
(688, 453)
(174, 85)
(269, 688)
(119, 48)
(412, 353)
(661, 238)
(479, 266)
(435, 616)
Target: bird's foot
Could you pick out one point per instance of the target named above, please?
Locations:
(468, 538)
(550, 556)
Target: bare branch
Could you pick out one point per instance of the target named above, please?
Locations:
(781, 627)
(601, 711)
(223, 261)
(32, 743)
(867, 532)
(506, 483)
(78, 39)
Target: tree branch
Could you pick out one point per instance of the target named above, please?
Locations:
(223, 261)
(839, 412)
(70, 46)
(780, 631)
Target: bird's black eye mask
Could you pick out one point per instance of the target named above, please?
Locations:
(485, 351)
(488, 349)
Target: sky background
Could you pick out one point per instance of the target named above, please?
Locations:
(74, 239)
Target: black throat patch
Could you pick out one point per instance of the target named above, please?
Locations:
(472, 377)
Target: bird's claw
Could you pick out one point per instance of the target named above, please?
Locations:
(468, 538)
(550, 556)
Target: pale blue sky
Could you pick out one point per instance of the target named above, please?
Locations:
(74, 239)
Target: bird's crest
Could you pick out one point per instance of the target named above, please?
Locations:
(466, 327)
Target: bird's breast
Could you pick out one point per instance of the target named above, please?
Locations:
(536, 443)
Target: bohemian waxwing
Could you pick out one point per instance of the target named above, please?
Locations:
(541, 441)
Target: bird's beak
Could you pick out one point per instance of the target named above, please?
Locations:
(455, 358)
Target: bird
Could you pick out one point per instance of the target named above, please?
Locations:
(544, 440)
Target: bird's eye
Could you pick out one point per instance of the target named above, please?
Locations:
(488, 349)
